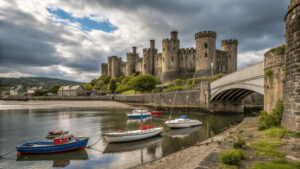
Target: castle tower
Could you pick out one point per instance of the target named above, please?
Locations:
(115, 66)
(148, 58)
(104, 69)
(109, 66)
(131, 58)
(230, 46)
(205, 53)
(170, 60)
(291, 114)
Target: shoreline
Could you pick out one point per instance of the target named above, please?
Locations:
(62, 105)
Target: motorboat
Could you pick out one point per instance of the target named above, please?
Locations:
(59, 144)
(138, 114)
(183, 122)
(134, 135)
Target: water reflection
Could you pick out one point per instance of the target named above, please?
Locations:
(20, 126)
(59, 159)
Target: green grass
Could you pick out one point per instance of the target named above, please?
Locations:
(268, 147)
(130, 92)
(232, 157)
(275, 132)
(276, 164)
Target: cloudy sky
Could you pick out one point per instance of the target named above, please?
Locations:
(69, 39)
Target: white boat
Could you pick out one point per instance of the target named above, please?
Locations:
(183, 122)
(134, 135)
(137, 114)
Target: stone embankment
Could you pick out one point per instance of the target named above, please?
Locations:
(205, 154)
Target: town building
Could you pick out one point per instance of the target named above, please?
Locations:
(76, 90)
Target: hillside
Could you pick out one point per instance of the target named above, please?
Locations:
(34, 81)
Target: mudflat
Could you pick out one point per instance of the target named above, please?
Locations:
(62, 105)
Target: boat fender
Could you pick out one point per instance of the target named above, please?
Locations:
(121, 131)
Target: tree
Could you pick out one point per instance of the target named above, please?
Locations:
(40, 92)
(145, 82)
(112, 85)
(54, 88)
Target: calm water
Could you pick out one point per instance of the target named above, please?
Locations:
(19, 126)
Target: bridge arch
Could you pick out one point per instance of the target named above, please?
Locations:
(238, 85)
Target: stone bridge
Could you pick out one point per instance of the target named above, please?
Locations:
(227, 93)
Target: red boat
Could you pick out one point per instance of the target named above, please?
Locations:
(157, 112)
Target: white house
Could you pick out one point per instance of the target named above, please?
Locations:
(14, 91)
(76, 90)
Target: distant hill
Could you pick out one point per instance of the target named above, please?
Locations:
(34, 82)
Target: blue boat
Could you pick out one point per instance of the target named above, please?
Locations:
(138, 114)
(58, 145)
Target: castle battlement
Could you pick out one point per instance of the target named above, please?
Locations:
(229, 42)
(205, 34)
(174, 62)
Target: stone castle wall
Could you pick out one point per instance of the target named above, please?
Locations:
(175, 62)
(274, 80)
(291, 114)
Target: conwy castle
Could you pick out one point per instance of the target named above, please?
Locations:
(175, 62)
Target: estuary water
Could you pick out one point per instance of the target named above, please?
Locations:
(20, 126)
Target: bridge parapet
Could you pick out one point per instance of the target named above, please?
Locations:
(240, 83)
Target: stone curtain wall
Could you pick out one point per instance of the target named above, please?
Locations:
(291, 115)
(274, 78)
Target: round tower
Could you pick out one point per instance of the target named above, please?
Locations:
(131, 62)
(291, 113)
(205, 53)
(230, 46)
(104, 69)
(170, 60)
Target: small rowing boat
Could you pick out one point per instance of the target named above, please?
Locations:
(157, 112)
(63, 144)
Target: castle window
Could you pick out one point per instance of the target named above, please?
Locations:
(145, 66)
(163, 49)
(205, 55)
(174, 48)
(181, 58)
(168, 48)
(172, 58)
(185, 57)
(205, 45)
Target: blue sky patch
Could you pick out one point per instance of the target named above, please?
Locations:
(86, 23)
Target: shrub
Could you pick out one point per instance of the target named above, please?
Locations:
(219, 75)
(239, 142)
(266, 120)
(54, 88)
(173, 88)
(112, 85)
(269, 72)
(178, 82)
(40, 92)
(122, 87)
(232, 157)
(145, 82)
(190, 84)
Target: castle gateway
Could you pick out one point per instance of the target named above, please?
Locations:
(175, 62)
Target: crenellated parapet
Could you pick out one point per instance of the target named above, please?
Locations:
(205, 34)
(229, 42)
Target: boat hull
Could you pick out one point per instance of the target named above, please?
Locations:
(183, 124)
(138, 116)
(48, 147)
(133, 136)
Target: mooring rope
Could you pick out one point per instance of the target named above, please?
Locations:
(90, 146)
